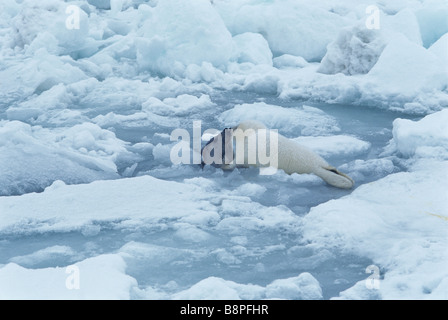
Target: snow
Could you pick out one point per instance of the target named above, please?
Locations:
(427, 138)
(302, 287)
(335, 144)
(289, 61)
(440, 48)
(393, 68)
(252, 47)
(411, 238)
(432, 21)
(355, 51)
(357, 48)
(294, 34)
(179, 34)
(94, 282)
(49, 15)
(81, 153)
(46, 206)
(181, 105)
(92, 207)
(306, 120)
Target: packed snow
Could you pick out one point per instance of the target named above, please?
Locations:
(92, 205)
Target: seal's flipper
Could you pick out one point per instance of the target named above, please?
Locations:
(334, 177)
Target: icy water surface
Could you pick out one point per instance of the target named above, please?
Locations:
(163, 260)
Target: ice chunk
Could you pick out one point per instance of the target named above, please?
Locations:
(250, 190)
(440, 49)
(241, 214)
(355, 51)
(252, 47)
(304, 286)
(408, 240)
(147, 199)
(169, 46)
(425, 138)
(34, 76)
(43, 255)
(432, 21)
(181, 105)
(357, 48)
(289, 61)
(206, 72)
(407, 68)
(404, 22)
(9, 8)
(333, 145)
(101, 277)
(77, 102)
(406, 78)
(304, 29)
(82, 153)
(96, 142)
(138, 119)
(212, 288)
(260, 81)
(306, 120)
(189, 233)
(44, 40)
(52, 17)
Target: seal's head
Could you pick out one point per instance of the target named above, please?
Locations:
(223, 143)
(225, 139)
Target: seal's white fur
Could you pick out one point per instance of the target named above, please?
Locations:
(293, 157)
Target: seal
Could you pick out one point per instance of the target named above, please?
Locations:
(291, 157)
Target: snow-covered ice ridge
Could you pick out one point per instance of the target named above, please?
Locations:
(91, 206)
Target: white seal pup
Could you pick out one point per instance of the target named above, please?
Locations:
(289, 156)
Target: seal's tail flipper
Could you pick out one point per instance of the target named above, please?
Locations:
(334, 177)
